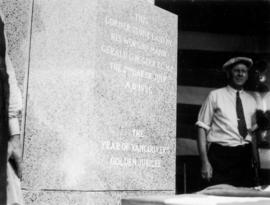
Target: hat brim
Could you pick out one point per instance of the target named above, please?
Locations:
(239, 60)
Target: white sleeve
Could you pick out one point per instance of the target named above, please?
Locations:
(15, 97)
(206, 113)
(15, 100)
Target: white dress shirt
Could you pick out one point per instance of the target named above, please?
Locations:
(218, 116)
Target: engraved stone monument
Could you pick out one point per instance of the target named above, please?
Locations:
(101, 103)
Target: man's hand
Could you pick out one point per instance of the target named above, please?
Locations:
(15, 153)
(206, 171)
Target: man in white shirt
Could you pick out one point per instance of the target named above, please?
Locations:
(225, 122)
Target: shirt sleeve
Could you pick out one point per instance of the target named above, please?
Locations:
(15, 100)
(206, 113)
(15, 97)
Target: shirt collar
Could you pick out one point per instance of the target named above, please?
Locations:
(233, 91)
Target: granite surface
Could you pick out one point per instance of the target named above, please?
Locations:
(101, 104)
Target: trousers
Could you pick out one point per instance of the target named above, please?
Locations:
(231, 165)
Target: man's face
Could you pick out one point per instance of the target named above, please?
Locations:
(238, 76)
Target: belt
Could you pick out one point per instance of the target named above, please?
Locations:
(227, 150)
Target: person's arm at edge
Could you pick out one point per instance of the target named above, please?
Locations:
(15, 107)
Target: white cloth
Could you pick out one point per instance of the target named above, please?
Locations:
(218, 116)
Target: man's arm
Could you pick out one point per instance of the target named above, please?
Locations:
(206, 170)
(204, 126)
(14, 111)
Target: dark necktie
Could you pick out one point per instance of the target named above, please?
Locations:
(242, 127)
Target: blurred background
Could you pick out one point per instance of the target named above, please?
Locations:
(211, 32)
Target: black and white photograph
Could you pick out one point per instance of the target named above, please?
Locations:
(134, 102)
